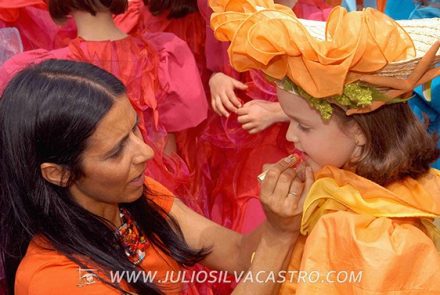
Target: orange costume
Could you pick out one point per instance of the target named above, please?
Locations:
(383, 237)
(43, 270)
(357, 237)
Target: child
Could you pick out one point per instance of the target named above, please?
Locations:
(156, 68)
(370, 210)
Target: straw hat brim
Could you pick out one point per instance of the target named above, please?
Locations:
(423, 32)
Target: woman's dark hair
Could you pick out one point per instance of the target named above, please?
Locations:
(397, 144)
(60, 9)
(47, 113)
(175, 8)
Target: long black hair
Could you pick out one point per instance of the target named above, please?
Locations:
(47, 113)
(175, 8)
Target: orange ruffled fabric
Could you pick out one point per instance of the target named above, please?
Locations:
(270, 37)
(353, 225)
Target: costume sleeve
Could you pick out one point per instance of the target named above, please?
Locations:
(130, 20)
(182, 103)
(391, 256)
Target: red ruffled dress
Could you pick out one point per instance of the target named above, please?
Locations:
(157, 69)
(228, 159)
(37, 29)
(190, 28)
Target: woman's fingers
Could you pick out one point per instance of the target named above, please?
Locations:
(271, 179)
(294, 196)
(284, 182)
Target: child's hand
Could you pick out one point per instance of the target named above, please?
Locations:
(283, 192)
(223, 99)
(257, 115)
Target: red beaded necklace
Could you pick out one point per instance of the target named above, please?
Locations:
(134, 242)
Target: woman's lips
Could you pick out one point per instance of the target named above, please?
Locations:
(138, 181)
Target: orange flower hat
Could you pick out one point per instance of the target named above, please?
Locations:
(358, 60)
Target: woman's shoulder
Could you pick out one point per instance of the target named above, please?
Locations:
(43, 270)
(159, 194)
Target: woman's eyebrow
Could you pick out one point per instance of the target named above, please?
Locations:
(124, 139)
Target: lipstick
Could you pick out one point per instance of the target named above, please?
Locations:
(294, 160)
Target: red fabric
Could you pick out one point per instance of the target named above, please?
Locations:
(190, 29)
(228, 159)
(37, 29)
(157, 69)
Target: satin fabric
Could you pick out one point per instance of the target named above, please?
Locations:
(354, 225)
(269, 37)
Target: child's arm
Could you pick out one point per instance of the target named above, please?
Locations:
(257, 115)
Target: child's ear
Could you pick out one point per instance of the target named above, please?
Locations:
(359, 136)
(55, 174)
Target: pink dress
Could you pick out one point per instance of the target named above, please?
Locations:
(313, 9)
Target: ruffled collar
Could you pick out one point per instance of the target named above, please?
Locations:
(340, 190)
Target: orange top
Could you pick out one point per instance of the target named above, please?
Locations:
(45, 271)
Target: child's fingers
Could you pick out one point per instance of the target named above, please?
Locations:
(242, 111)
(226, 101)
(254, 130)
(243, 119)
(248, 126)
(214, 106)
(219, 106)
(233, 98)
(239, 85)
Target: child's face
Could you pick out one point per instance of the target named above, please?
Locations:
(322, 142)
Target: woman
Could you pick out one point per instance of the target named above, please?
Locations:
(71, 187)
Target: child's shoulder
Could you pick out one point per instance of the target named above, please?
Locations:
(381, 248)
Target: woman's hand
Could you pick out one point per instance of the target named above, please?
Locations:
(256, 115)
(223, 98)
(283, 192)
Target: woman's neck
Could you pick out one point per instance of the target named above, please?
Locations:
(100, 27)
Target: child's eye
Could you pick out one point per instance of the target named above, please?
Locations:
(303, 128)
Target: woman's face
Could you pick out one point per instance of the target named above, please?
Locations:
(114, 161)
(322, 142)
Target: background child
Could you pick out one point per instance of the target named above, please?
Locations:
(372, 205)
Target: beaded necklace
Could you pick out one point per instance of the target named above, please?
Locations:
(134, 242)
